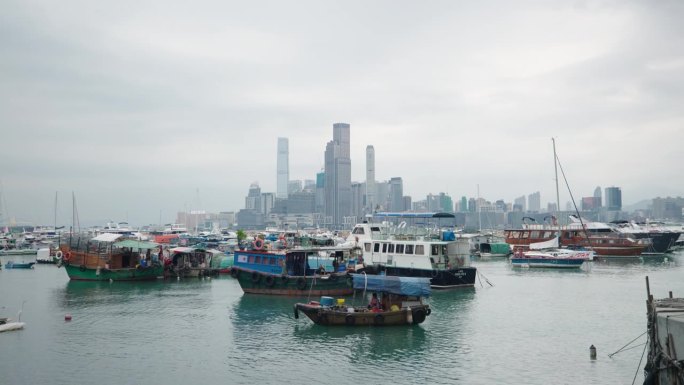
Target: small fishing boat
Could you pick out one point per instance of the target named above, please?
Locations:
(193, 261)
(110, 257)
(45, 255)
(294, 272)
(15, 265)
(401, 303)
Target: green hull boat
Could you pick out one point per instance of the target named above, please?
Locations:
(82, 273)
(263, 283)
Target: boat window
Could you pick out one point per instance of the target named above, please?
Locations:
(400, 248)
(420, 249)
(389, 259)
(367, 246)
(514, 234)
(272, 261)
(251, 259)
(375, 229)
(525, 234)
(384, 247)
(435, 250)
(568, 235)
(409, 249)
(390, 248)
(358, 230)
(534, 234)
(547, 234)
(376, 247)
(257, 260)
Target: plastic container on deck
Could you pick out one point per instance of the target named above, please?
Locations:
(327, 301)
(340, 302)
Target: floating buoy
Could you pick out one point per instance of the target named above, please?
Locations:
(67, 317)
(592, 352)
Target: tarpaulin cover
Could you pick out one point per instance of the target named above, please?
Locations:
(417, 286)
(133, 244)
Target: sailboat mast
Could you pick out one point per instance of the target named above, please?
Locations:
(555, 168)
(479, 210)
(56, 210)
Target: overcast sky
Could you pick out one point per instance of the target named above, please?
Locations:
(146, 108)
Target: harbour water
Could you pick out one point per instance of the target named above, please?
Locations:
(531, 327)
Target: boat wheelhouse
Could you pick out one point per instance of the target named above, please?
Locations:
(191, 262)
(415, 251)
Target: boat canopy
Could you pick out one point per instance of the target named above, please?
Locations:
(550, 244)
(140, 245)
(413, 215)
(107, 237)
(416, 286)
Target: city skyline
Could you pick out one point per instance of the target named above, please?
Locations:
(176, 108)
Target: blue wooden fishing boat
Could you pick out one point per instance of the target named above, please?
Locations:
(315, 271)
(14, 265)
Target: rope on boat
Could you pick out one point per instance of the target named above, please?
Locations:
(629, 343)
(485, 278)
(640, 359)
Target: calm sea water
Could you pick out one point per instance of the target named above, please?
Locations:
(531, 327)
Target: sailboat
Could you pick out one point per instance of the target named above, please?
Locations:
(549, 253)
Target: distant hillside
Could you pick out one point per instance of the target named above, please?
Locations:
(641, 205)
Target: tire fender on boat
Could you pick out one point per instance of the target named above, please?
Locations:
(256, 277)
(349, 319)
(234, 272)
(379, 319)
(301, 283)
(418, 316)
(269, 280)
(82, 268)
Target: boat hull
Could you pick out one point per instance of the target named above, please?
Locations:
(439, 279)
(339, 316)
(82, 273)
(255, 282)
(9, 326)
(10, 265)
(560, 263)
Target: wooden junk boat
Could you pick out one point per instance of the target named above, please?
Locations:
(401, 303)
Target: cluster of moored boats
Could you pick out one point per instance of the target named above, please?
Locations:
(400, 263)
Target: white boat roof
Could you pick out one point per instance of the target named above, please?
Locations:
(107, 237)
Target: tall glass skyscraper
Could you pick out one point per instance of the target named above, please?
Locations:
(370, 178)
(338, 175)
(283, 166)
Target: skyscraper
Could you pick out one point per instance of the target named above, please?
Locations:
(598, 202)
(613, 198)
(396, 194)
(283, 166)
(534, 202)
(338, 175)
(370, 178)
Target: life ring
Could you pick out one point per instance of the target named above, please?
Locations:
(284, 278)
(234, 272)
(349, 320)
(418, 316)
(67, 256)
(59, 254)
(82, 268)
(333, 277)
(256, 277)
(350, 281)
(258, 244)
(379, 319)
(269, 280)
(301, 283)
